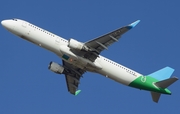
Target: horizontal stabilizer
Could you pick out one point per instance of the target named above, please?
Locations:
(167, 82)
(155, 96)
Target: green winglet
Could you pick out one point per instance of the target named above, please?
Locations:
(77, 92)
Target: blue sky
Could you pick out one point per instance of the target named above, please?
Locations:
(28, 87)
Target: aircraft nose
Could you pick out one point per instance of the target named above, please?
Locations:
(7, 24)
(3, 23)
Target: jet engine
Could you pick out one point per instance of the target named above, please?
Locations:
(74, 44)
(55, 67)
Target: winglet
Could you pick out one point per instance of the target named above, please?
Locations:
(77, 92)
(132, 25)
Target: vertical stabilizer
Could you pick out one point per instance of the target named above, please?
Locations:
(155, 96)
(162, 74)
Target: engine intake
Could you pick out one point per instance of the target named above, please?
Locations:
(56, 68)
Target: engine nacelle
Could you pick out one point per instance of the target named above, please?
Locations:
(55, 67)
(74, 44)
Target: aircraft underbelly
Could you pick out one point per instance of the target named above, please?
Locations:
(78, 61)
(117, 74)
(42, 40)
(121, 78)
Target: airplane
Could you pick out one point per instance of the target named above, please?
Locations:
(79, 57)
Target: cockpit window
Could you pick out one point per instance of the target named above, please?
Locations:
(14, 19)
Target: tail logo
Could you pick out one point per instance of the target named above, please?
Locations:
(143, 79)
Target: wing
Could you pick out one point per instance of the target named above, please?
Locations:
(99, 44)
(72, 75)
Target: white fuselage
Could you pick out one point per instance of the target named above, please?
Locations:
(59, 46)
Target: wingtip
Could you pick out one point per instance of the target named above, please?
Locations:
(77, 92)
(132, 25)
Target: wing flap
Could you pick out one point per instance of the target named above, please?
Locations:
(107, 39)
(111, 37)
(72, 89)
(102, 42)
(72, 75)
